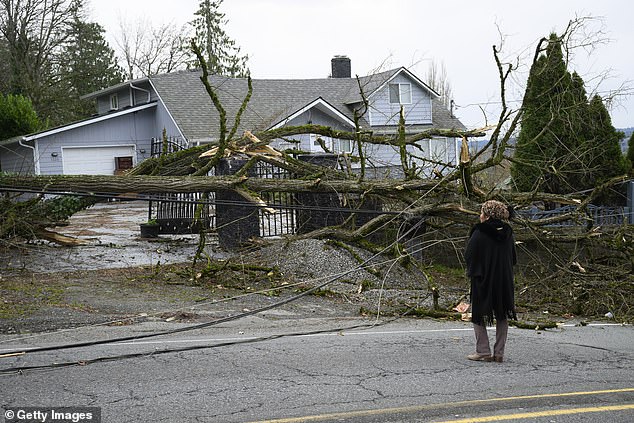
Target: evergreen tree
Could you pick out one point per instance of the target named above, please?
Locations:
(566, 143)
(545, 139)
(603, 141)
(630, 153)
(221, 52)
(17, 116)
(90, 65)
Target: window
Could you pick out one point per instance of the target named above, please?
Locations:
(335, 145)
(114, 102)
(400, 93)
(345, 146)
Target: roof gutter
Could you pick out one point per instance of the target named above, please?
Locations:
(36, 162)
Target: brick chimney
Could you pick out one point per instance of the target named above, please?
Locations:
(341, 67)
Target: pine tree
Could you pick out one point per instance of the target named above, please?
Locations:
(220, 52)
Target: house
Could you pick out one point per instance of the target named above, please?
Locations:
(132, 116)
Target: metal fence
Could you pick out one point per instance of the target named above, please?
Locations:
(159, 146)
(283, 220)
(597, 215)
(181, 213)
(235, 220)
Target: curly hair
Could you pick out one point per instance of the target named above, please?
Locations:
(494, 209)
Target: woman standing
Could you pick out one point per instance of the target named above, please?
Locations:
(490, 257)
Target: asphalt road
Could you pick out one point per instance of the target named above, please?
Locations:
(403, 371)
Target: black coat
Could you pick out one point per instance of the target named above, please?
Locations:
(490, 257)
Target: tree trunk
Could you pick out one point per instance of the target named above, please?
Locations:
(116, 185)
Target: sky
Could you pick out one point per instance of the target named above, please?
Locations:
(297, 39)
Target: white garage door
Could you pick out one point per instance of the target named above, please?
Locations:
(93, 160)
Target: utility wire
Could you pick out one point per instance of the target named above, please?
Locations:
(21, 369)
(224, 300)
(22, 352)
(202, 325)
(197, 305)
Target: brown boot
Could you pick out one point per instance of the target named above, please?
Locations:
(479, 357)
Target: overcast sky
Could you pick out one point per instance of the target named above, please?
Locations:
(297, 39)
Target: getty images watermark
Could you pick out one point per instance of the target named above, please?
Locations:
(52, 414)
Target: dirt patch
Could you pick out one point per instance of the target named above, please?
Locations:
(353, 282)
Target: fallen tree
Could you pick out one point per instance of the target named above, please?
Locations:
(447, 202)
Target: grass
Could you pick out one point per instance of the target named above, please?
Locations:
(22, 298)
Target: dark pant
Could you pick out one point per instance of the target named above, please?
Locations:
(482, 338)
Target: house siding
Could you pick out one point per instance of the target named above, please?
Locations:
(436, 149)
(130, 129)
(382, 112)
(316, 117)
(17, 159)
(127, 97)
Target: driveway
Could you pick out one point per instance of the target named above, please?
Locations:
(111, 232)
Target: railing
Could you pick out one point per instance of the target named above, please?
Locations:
(159, 146)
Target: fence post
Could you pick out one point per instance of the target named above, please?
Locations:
(630, 201)
(235, 223)
(317, 214)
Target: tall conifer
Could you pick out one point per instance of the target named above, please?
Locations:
(566, 143)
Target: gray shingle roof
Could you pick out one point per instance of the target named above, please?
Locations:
(272, 100)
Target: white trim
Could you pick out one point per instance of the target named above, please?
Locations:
(195, 142)
(114, 101)
(412, 76)
(99, 146)
(113, 88)
(158, 95)
(319, 101)
(400, 93)
(87, 122)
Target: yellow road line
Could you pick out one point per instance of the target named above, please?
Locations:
(547, 413)
(415, 408)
